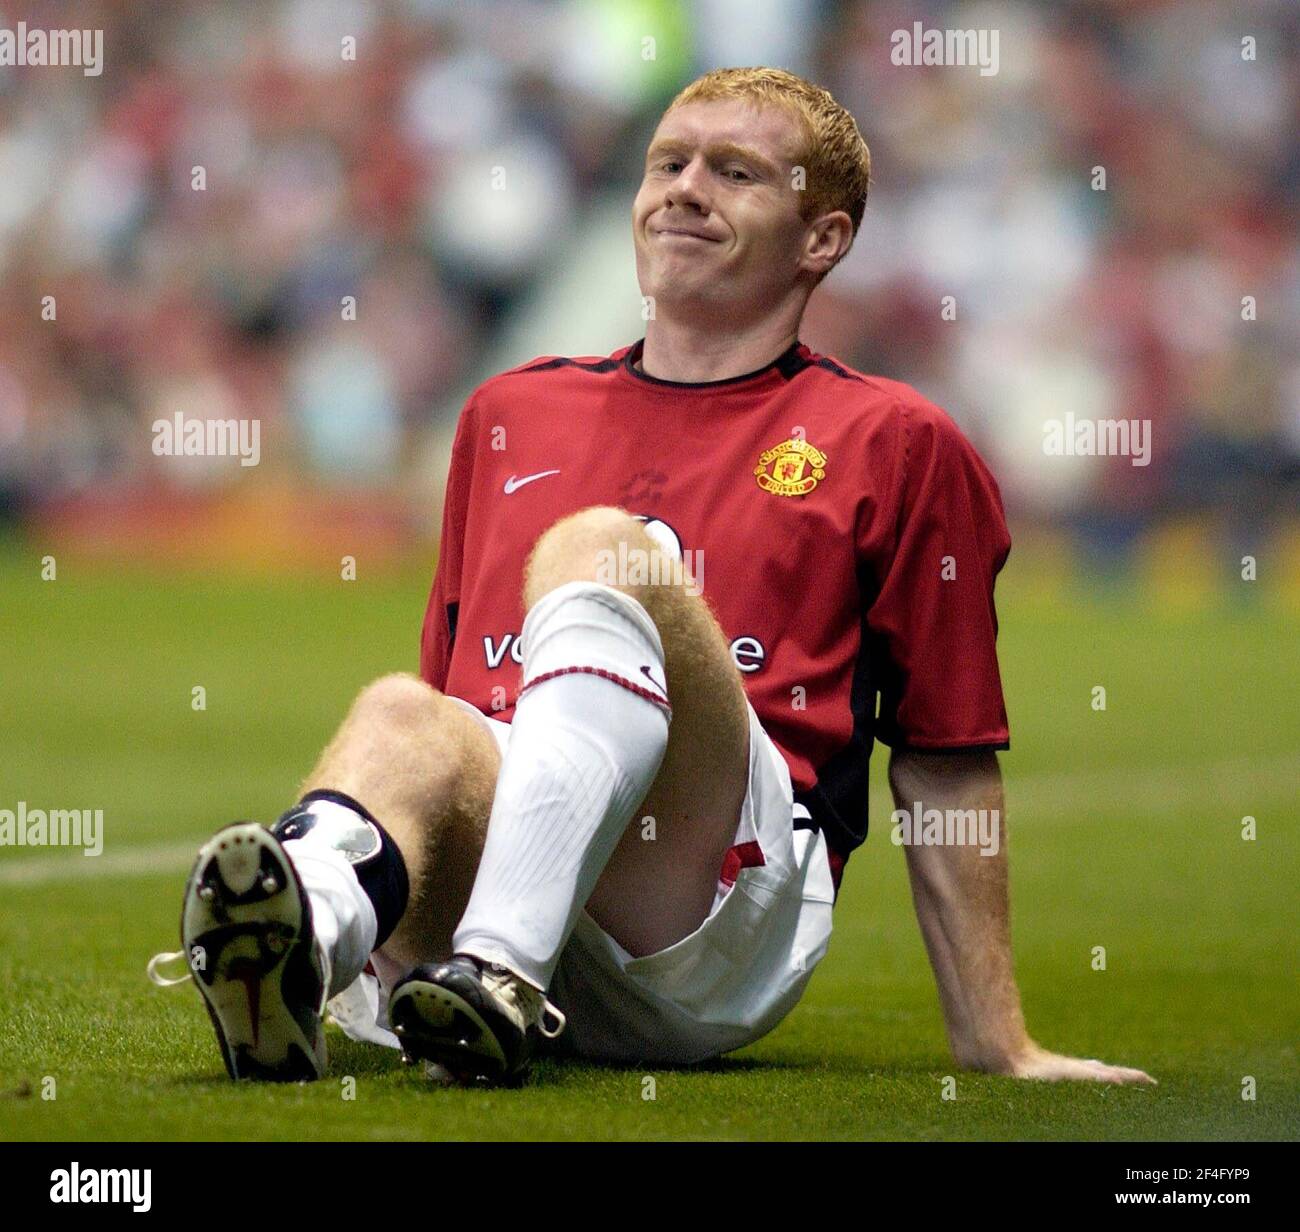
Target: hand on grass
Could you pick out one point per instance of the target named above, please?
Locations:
(1036, 1062)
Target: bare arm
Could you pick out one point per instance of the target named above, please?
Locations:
(963, 907)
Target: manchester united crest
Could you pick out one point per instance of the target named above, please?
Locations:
(792, 468)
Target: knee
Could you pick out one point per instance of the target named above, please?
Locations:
(414, 729)
(575, 547)
(399, 700)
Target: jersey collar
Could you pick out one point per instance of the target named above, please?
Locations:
(790, 362)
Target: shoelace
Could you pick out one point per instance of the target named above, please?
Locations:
(525, 997)
(170, 956)
(560, 1020)
(158, 960)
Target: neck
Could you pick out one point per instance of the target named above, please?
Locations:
(677, 351)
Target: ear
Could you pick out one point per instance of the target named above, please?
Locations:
(826, 241)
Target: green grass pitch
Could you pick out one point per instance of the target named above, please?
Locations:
(1125, 833)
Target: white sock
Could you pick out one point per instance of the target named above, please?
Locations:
(343, 917)
(589, 733)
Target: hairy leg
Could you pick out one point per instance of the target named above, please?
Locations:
(427, 770)
(656, 890)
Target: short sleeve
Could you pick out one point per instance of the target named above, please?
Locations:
(440, 616)
(933, 618)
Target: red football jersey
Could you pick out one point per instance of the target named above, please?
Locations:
(843, 530)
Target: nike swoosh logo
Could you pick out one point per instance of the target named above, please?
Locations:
(513, 484)
(645, 671)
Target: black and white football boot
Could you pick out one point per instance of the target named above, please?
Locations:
(477, 1020)
(246, 932)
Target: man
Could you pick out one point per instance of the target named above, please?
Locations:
(673, 583)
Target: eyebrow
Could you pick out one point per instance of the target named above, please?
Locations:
(721, 150)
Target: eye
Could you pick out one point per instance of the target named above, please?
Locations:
(740, 171)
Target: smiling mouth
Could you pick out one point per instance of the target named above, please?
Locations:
(684, 235)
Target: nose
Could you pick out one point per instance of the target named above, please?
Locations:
(688, 189)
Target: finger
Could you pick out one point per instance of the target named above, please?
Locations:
(1122, 1074)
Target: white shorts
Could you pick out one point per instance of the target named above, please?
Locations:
(725, 985)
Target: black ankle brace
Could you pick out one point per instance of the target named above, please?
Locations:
(368, 847)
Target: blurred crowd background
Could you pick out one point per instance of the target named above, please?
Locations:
(371, 177)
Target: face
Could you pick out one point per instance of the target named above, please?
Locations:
(716, 220)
